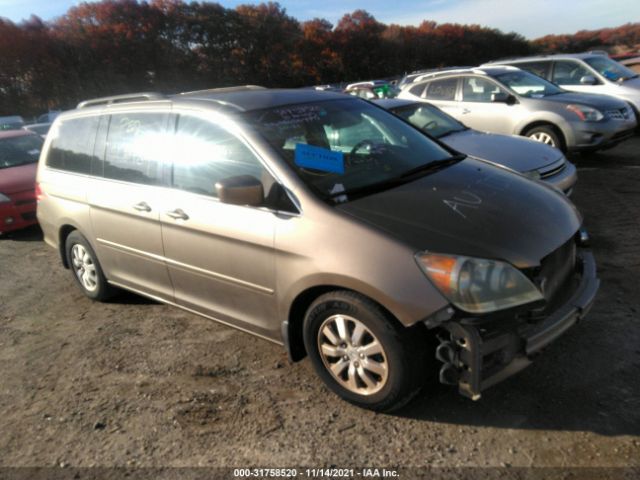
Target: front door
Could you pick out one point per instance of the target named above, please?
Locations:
(220, 257)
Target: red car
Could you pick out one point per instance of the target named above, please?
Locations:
(19, 153)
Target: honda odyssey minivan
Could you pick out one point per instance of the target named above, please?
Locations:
(320, 222)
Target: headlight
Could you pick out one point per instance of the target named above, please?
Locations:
(532, 174)
(477, 285)
(586, 114)
(4, 198)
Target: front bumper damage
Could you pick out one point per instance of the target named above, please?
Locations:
(476, 355)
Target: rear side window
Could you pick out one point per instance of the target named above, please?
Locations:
(136, 144)
(72, 145)
(418, 90)
(537, 68)
(207, 153)
(444, 89)
(568, 72)
(476, 89)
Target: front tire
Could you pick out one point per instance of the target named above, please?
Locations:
(83, 262)
(362, 353)
(545, 134)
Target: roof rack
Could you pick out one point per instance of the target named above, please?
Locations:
(238, 88)
(129, 97)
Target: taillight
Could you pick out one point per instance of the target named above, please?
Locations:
(39, 193)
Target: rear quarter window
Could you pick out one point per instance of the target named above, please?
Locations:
(444, 89)
(71, 147)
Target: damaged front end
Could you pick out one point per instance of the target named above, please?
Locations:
(478, 351)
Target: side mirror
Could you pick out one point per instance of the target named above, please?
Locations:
(503, 97)
(588, 80)
(240, 190)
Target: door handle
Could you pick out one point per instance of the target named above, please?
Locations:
(142, 207)
(465, 111)
(178, 214)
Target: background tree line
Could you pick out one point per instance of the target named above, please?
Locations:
(120, 46)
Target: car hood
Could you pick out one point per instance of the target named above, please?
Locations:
(632, 83)
(476, 209)
(18, 179)
(517, 153)
(595, 100)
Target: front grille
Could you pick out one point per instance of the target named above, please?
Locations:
(553, 169)
(619, 113)
(25, 202)
(555, 273)
(28, 216)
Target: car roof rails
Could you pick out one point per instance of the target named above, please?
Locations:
(128, 97)
(237, 88)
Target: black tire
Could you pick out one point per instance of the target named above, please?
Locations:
(549, 131)
(101, 291)
(407, 352)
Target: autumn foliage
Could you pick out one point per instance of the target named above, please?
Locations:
(120, 46)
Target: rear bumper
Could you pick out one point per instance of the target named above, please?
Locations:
(476, 359)
(19, 213)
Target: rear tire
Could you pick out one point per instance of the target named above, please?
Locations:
(363, 354)
(546, 134)
(84, 265)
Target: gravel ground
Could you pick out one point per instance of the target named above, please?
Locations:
(136, 384)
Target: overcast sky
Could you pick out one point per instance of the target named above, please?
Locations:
(531, 18)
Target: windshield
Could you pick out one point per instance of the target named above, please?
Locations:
(527, 84)
(16, 151)
(339, 147)
(429, 119)
(610, 69)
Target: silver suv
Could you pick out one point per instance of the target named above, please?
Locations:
(584, 72)
(508, 100)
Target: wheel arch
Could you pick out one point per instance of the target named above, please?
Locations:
(63, 233)
(546, 123)
(292, 326)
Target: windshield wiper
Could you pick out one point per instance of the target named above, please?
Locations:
(433, 166)
(394, 181)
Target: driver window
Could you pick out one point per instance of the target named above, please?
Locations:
(206, 153)
(567, 72)
(475, 89)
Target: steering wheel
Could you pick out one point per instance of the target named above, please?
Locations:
(361, 144)
(430, 125)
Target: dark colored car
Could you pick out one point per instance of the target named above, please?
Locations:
(19, 153)
(533, 159)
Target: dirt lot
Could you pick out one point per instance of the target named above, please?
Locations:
(134, 383)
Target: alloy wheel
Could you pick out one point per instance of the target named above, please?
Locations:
(84, 267)
(543, 138)
(352, 354)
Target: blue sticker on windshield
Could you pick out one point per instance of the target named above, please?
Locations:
(308, 156)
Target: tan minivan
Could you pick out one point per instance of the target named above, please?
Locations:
(321, 222)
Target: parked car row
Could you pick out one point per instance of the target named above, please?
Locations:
(508, 100)
(385, 239)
